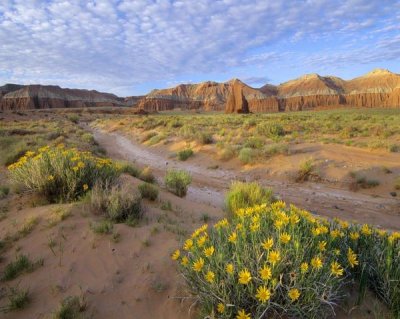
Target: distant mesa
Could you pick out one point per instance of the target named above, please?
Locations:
(378, 88)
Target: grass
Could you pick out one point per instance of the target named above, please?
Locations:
(17, 299)
(246, 155)
(102, 227)
(242, 195)
(4, 191)
(148, 191)
(397, 183)
(21, 265)
(72, 307)
(177, 181)
(127, 168)
(305, 170)
(185, 154)
(146, 175)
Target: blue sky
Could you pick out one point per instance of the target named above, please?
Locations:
(131, 47)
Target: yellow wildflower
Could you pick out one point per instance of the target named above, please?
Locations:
(85, 187)
(221, 308)
(209, 276)
(294, 219)
(263, 294)
(285, 238)
(336, 269)
(188, 244)
(316, 263)
(278, 224)
(185, 261)
(274, 257)
(265, 273)
(335, 233)
(198, 264)
(176, 254)
(209, 251)
(230, 269)
(201, 241)
(322, 245)
(242, 315)
(232, 238)
(294, 294)
(50, 178)
(304, 267)
(244, 277)
(75, 168)
(80, 164)
(254, 227)
(354, 235)
(352, 258)
(365, 230)
(268, 243)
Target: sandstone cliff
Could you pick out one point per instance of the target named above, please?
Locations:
(41, 96)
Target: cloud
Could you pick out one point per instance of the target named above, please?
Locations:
(107, 44)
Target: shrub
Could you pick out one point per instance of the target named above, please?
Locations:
(130, 170)
(185, 154)
(4, 191)
(102, 227)
(305, 170)
(148, 136)
(17, 299)
(205, 138)
(246, 155)
(397, 183)
(74, 118)
(88, 138)
(148, 191)
(71, 307)
(61, 174)
(117, 202)
(275, 149)
(242, 195)
(146, 175)
(227, 153)
(269, 129)
(275, 260)
(254, 142)
(177, 182)
(363, 182)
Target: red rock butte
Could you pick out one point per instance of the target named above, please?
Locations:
(379, 88)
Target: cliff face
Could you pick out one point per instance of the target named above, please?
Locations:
(40, 96)
(379, 88)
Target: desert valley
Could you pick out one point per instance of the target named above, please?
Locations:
(69, 245)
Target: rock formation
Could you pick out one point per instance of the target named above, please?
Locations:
(379, 88)
(23, 97)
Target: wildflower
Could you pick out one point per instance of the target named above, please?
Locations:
(188, 244)
(232, 238)
(316, 231)
(209, 276)
(354, 235)
(335, 233)
(285, 238)
(185, 261)
(221, 308)
(352, 258)
(85, 187)
(316, 263)
(336, 269)
(274, 257)
(243, 315)
(201, 241)
(254, 227)
(75, 168)
(304, 267)
(268, 243)
(336, 252)
(29, 154)
(244, 277)
(294, 294)
(322, 245)
(278, 224)
(344, 224)
(263, 294)
(265, 273)
(239, 226)
(80, 164)
(230, 269)
(381, 232)
(365, 230)
(50, 178)
(294, 219)
(198, 264)
(209, 251)
(176, 254)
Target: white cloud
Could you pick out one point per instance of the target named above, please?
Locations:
(107, 44)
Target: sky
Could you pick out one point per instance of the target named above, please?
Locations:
(132, 47)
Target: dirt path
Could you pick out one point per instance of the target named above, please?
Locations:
(209, 186)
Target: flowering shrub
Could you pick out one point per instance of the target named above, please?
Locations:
(59, 173)
(275, 260)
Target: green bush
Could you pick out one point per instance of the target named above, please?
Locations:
(185, 154)
(241, 195)
(205, 138)
(117, 202)
(177, 182)
(247, 155)
(71, 307)
(74, 118)
(274, 260)
(88, 138)
(148, 191)
(146, 175)
(269, 129)
(61, 174)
